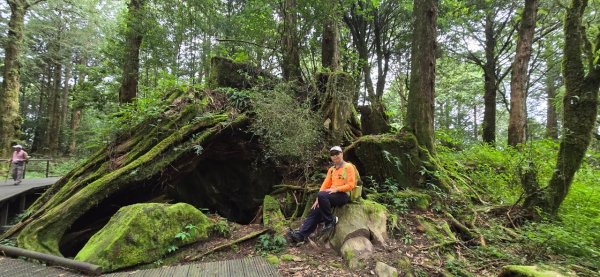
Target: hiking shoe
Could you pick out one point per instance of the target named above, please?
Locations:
(331, 225)
(296, 237)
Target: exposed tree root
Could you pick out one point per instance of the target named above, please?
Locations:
(229, 244)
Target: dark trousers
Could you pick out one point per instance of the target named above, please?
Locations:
(323, 212)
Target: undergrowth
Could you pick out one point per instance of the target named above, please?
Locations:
(571, 241)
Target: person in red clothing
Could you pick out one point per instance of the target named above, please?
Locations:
(19, 157)
(340, 180)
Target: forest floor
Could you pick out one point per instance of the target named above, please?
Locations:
(411, 252)
(313, 258)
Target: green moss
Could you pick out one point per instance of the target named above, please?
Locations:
(290, 258)
(272, 215)
(439, 231)
(272, 259)
(527, 271)
(348, 254)
(373, 207)
(143, 233)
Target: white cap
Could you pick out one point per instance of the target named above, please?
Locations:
(18, 146)
(336, 148)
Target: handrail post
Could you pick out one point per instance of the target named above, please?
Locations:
(47, 167)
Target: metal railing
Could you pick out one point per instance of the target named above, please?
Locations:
(45, 168)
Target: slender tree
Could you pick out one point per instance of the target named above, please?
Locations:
(421, 97)
(131, 65)
(518, 84)
(290, 41)
(9, 95)
(579, 112)
(330, 53)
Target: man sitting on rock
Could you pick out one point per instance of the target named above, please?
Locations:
(340, 180)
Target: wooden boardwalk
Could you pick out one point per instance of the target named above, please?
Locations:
(14, 198)
(247, 267)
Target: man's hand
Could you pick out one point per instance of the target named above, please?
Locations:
(315, 205)
(331, 190)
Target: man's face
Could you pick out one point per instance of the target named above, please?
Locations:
(336, 156)
(17, 149)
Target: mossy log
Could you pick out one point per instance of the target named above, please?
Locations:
(193, 152)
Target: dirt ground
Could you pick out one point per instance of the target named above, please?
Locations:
(318, 259)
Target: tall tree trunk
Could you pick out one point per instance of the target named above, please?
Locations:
(76, 110)
(491, 82)
(40, 142)
(9, 95)
(580, 110)
(290, 42)
(517, 124)
(131, 66)
(54, 111)
(421, 97)
(330, 53)
(552, 83)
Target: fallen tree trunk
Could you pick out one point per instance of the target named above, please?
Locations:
(197, 154)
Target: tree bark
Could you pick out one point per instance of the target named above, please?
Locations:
(53, 131)
(131, 66)
(290, 42)
(580, 110)
(553, 80)
(421, 97)
(9, 95)
(491, 83)
(517, 125)
(330, 53)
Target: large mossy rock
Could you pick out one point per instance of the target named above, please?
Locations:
(363, 219)
(227, 73)
(143, 233)
(394, 157)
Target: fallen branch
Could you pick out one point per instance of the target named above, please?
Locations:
(439, 245)
(229, 244)
(465, 230)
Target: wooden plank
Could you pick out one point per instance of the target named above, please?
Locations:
(8, 190)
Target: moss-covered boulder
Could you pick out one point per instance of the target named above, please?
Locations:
(527, 271)
(387, 157)
(436, 230)
(143, 233)
(363, 219)
(272, 215)
(355, 250)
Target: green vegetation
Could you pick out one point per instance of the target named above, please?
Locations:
(289, 129)
(270, 244)
(492, 176)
